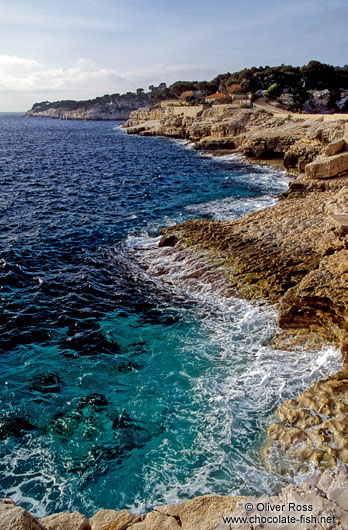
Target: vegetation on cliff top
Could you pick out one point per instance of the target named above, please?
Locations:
(296, 84)
(129, 99)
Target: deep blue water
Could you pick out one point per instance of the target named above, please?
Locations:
(125, 383)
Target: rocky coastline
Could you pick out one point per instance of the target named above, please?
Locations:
(293, 254)
(320, 502)
(115, 107)
(94, 113)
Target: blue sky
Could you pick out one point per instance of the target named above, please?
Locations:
(79, 49)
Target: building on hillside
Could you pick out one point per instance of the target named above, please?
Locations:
(218, 97)
(241, 97)
(236, 99)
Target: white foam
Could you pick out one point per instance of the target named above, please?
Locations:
(230, 208)
(186, 144)
(235, 399)
(232, 157)
(142, 242)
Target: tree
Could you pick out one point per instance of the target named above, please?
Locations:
(235, 88)
(273, 91)
(318, 76)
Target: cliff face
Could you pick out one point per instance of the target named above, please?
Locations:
(95, 113)
(117, 109)
(256, 133)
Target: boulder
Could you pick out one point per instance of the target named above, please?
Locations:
(334, 147)
(331, 166)
(114, 520)
(154, 521)
(66, 521)
(204, 513)
(14, 517)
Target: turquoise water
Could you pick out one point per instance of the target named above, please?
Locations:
(129, 375)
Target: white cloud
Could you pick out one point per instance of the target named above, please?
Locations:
(25, 75)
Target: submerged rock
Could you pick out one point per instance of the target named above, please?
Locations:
(14, 426)
(96, 401)
(46, 383)
(88, 342)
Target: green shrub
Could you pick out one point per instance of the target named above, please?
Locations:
(273, 91)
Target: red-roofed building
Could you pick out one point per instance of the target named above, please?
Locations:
(218, 96)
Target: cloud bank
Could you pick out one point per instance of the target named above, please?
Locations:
(82, 79)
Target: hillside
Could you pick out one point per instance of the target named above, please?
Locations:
(313, 88)
(108, 107)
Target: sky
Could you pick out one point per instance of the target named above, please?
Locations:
(80, 49)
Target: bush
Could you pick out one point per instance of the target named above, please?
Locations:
(273, 91)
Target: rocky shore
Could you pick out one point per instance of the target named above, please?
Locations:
(320, 502)
(293, 254)
(296, 139)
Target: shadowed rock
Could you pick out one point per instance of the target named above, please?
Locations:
(46, 383)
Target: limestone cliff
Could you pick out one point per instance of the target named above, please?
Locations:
(115, 107)
(256, 133)
(95, 113)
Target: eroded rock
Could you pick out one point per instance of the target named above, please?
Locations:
(254, 132)
(66, 521)
(14, 517)
(155, 520)
(331, 166)
(202, 512)
(312, 428)
(317, 504)
(114, 520)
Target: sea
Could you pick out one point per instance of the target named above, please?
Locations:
(126, 381)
